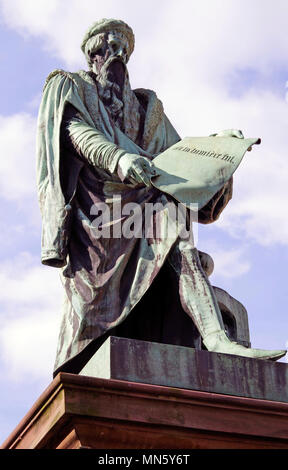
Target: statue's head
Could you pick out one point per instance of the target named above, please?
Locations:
(107, 41)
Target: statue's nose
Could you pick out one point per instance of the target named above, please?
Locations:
(120, 53)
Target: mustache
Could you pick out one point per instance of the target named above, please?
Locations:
(110, 61)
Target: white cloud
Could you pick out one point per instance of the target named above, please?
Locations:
(18, 151)
(229, 263)
(228, 32)
(28, 346)
(24, 280)
(31, 298)
(61, 24)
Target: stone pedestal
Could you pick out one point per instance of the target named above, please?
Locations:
(78, 411)
(188, 368)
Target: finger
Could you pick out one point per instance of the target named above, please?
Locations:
(141, 176)
(238, 134)
(133, 179)
(143, 171)
(149, 172)
(148, 168)
(147, 161)
(144, 177)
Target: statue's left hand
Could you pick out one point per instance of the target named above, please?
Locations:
(229, 133)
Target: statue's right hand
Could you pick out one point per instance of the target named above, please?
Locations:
(135, 169)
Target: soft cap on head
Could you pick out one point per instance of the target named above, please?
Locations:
(106, 25)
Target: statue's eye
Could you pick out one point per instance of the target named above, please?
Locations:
(100, 51)
(113, 46)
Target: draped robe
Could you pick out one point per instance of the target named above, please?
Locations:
(104, 278)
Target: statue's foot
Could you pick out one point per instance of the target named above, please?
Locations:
(220, 343)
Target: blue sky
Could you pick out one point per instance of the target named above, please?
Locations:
(215, 65)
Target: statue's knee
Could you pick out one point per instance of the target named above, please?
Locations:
(207, 262)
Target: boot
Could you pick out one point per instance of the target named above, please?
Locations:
(220, 343)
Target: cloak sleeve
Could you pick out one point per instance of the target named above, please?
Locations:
(54, 206)
(89, 143)
(211, 212)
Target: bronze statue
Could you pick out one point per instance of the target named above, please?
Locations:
(96, 140)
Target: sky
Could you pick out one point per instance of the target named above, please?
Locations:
(215, 65)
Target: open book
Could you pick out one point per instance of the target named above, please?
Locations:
(194, 169)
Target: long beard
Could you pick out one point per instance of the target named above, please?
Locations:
(115, 92)
(111, 80)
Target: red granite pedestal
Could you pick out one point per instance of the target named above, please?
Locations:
(78, 412)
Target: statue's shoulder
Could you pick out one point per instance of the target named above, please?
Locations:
(56, 73)
(146, 94)
(75, 77)
(151, 103)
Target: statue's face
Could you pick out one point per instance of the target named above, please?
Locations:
(114, 48)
